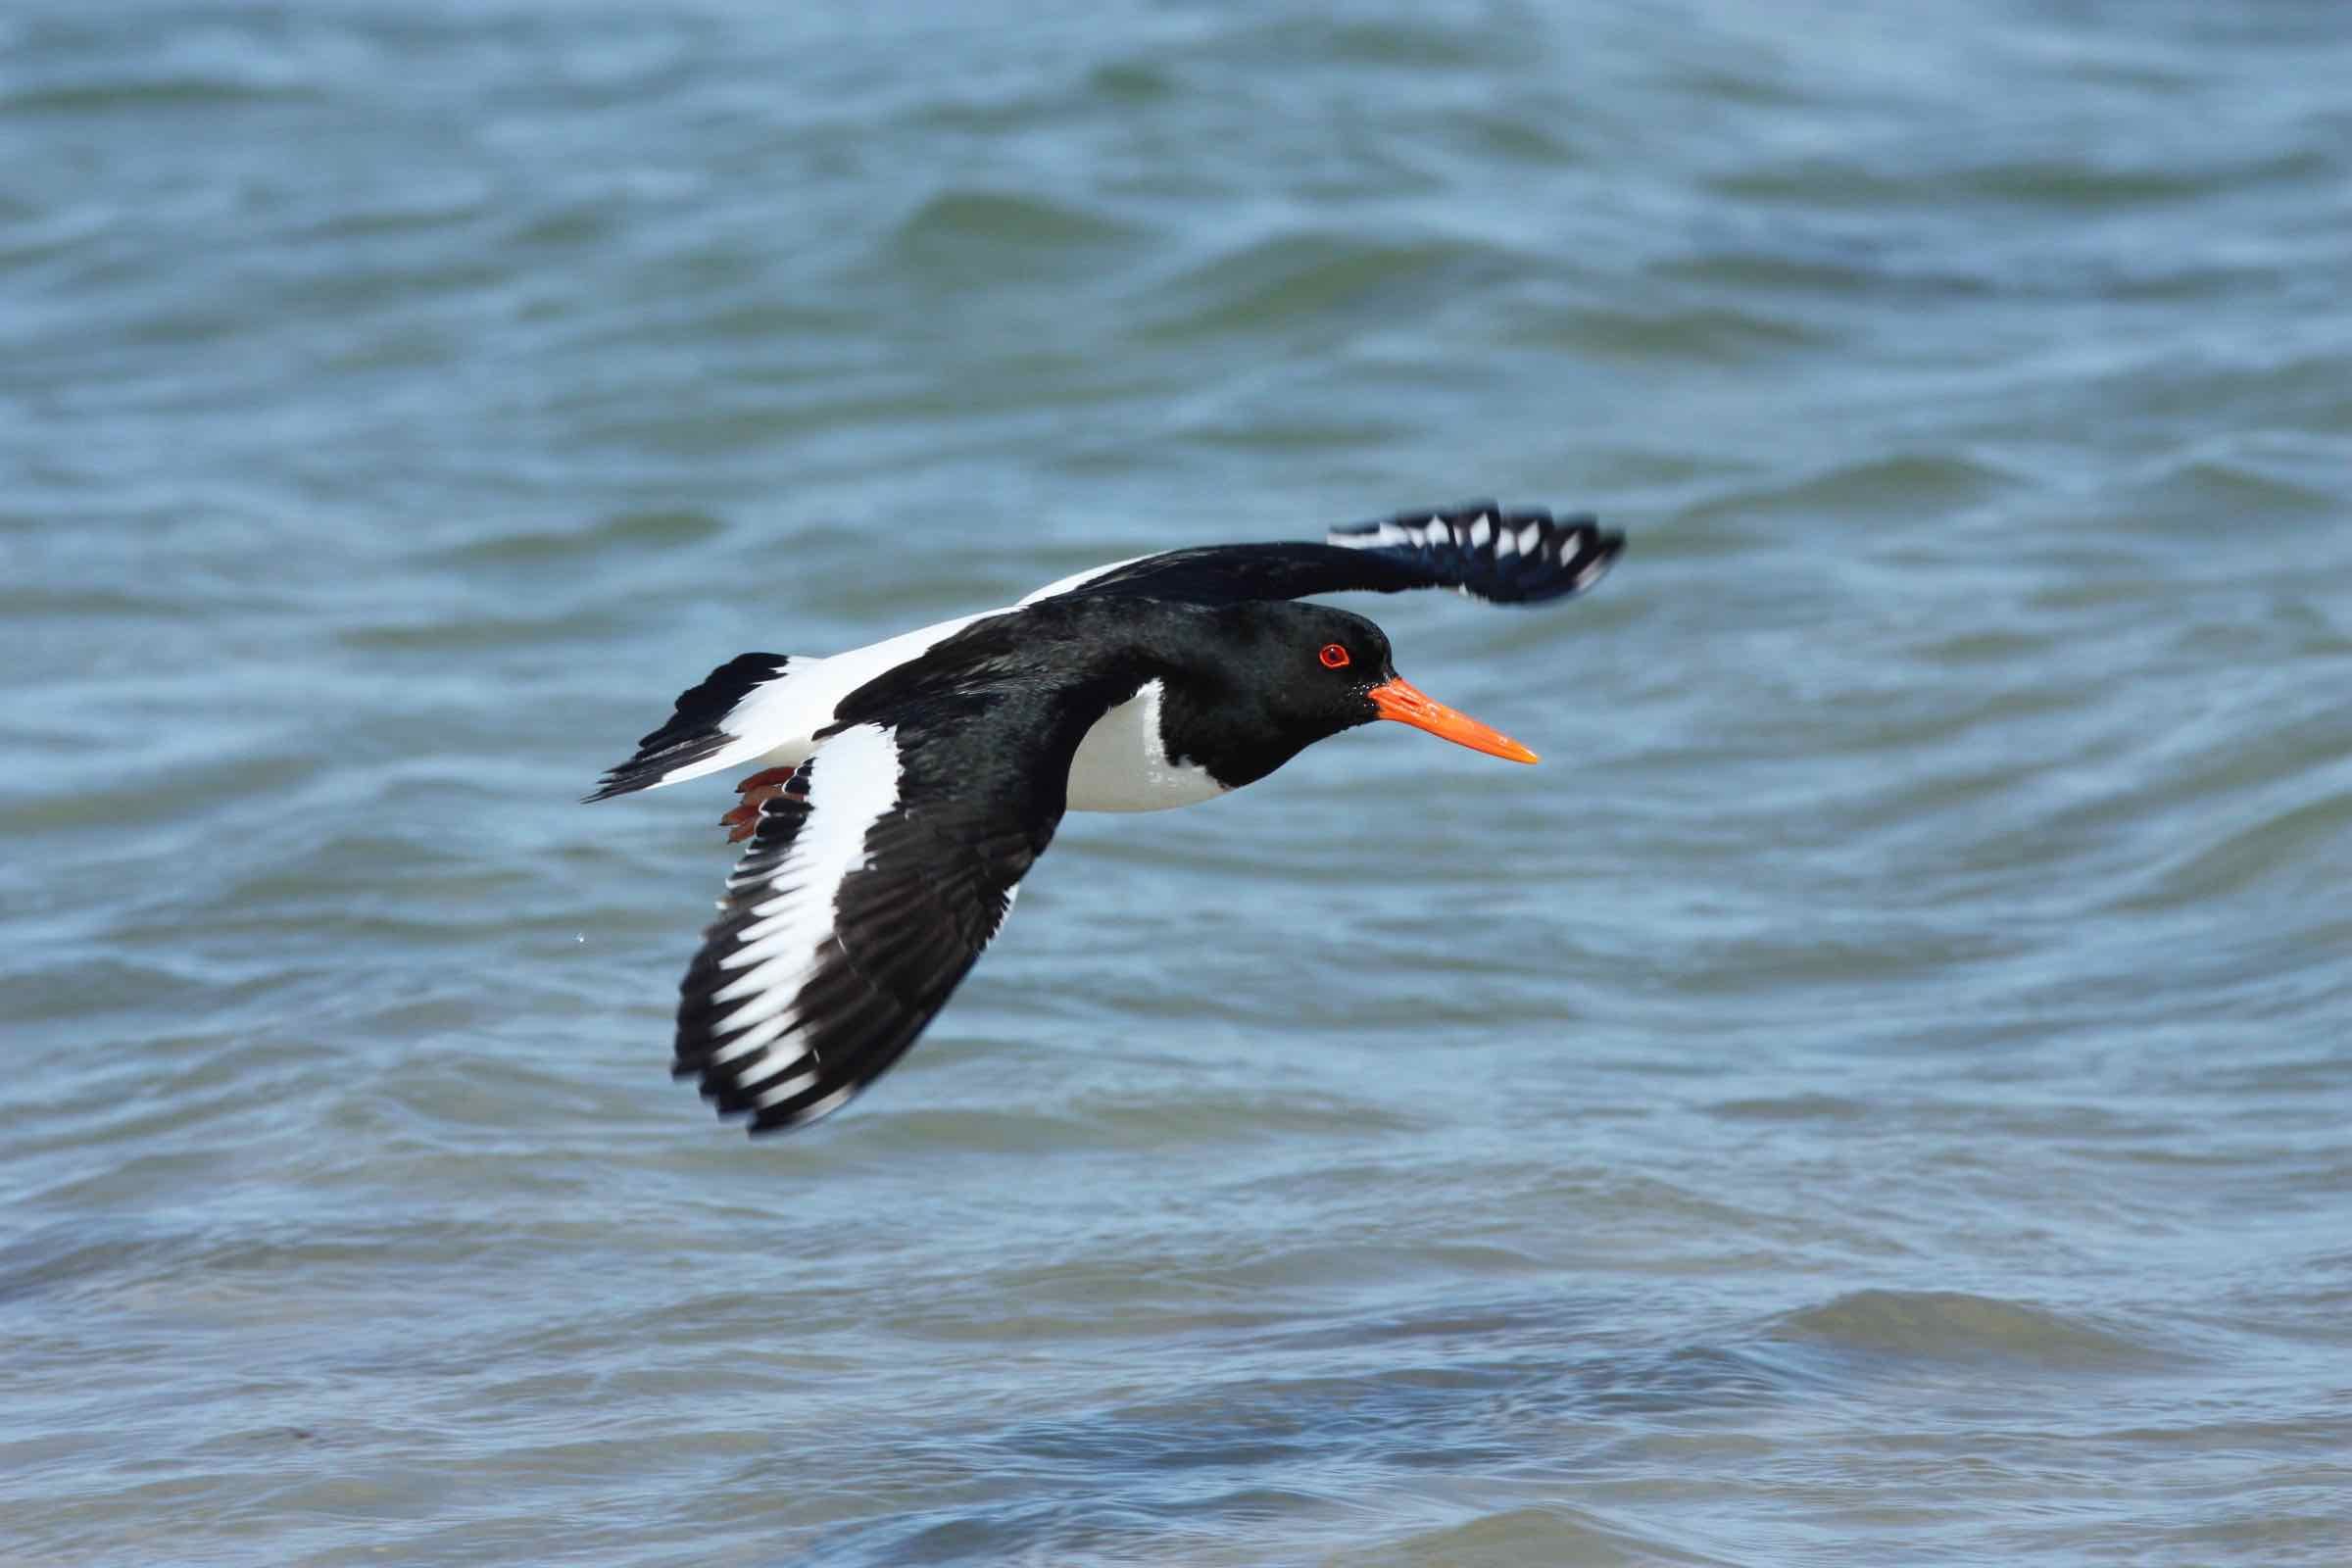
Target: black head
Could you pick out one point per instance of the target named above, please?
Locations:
(1278, 676)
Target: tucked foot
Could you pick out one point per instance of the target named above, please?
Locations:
(757, 790)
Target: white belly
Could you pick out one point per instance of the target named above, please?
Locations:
(1122, 765)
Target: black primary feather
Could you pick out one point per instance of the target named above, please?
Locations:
(1505, 555)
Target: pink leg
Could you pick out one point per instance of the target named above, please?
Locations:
(757, 790)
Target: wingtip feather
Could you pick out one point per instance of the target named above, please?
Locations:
(1500, 554)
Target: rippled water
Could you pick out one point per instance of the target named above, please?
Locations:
(1878, 1094)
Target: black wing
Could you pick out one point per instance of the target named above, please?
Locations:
(872, 884)
(1506, 556)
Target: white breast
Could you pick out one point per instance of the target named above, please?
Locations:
(1123, 765)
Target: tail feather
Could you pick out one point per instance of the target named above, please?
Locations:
(696, 730)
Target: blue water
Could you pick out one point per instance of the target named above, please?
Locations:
(1878, 1094)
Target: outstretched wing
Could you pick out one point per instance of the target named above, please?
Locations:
(1506, 556)
(872, 884)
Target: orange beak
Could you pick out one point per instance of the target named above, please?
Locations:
(1398, 699)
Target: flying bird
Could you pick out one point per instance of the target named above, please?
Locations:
(907, 787)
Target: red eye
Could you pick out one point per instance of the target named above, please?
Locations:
(1334, 656)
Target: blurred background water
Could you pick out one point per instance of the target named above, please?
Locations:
(1879, 1094)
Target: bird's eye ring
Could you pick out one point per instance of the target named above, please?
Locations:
(1334, 656)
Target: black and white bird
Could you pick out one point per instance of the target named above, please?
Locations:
(908, 786)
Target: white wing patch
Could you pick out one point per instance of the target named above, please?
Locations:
(854, 786)
(1490, 551)
(776, 723)
(1077, 581)
(1011, 896)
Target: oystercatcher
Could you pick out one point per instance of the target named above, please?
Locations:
(912, 783)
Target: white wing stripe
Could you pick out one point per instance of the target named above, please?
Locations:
(777, 721)
(783, 1091)
(1078, 579)
(745, 1044)
(852, 786)
(780, 938)
(756, 932)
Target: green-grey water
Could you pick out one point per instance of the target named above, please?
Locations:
(1880, 1092)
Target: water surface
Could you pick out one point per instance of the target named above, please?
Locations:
(1878, 1093)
